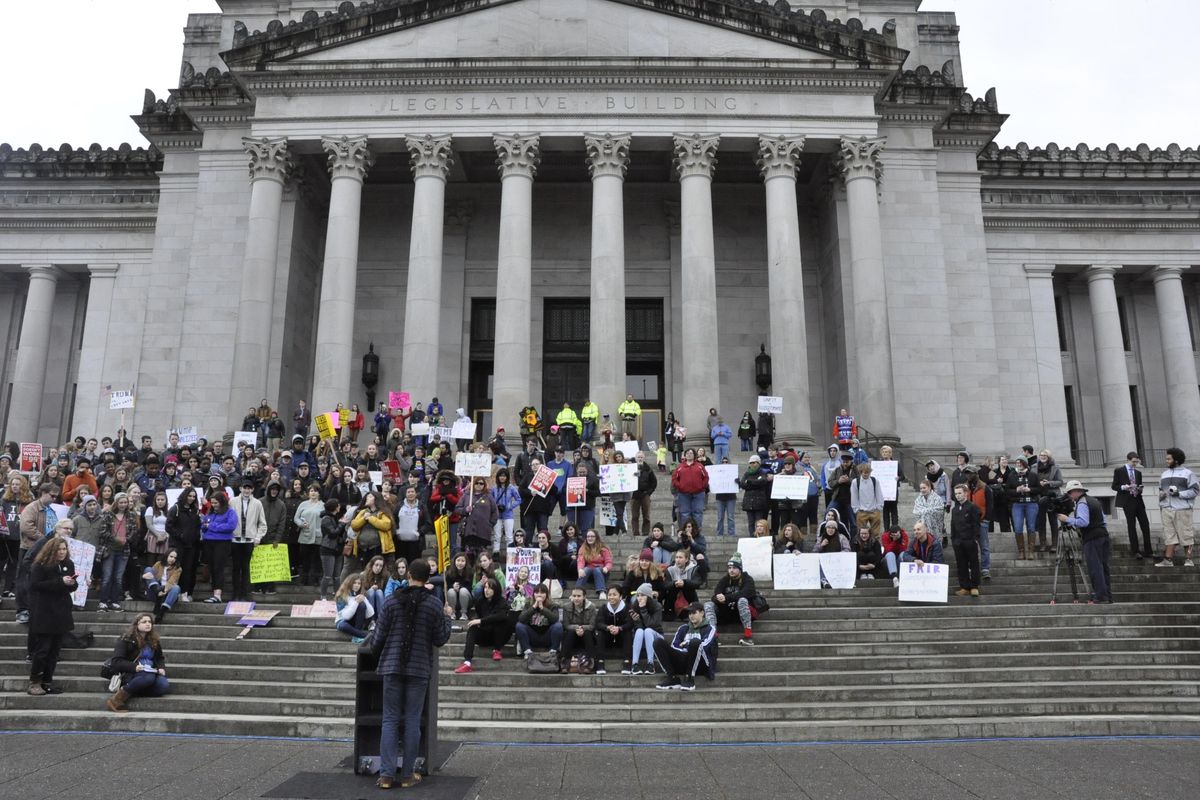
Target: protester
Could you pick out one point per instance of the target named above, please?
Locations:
(354, 610)
(52, 580)
(139, 664)
(732, 598)
(492, 625)
(613, 631)
(218, 525)
(539, 625)
(964, 532)
(693, 648)
(162, 583)
(594, 563)
(645, 619)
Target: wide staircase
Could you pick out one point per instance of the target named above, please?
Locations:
(827, 665)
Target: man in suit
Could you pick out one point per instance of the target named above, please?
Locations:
(1127, 483)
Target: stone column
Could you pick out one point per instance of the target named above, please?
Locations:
(695, 161)
(607, 157)
(876, 406)
(431, 158)
(270, 166)
(1183, 395)
(1112, 372)
(88, 399)
(517, 158)
(29, 369)
(778, 157)
(349, 159)
(1048, 352)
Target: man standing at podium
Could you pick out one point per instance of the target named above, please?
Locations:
(412, 624)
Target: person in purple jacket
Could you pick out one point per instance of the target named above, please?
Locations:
(217, 529)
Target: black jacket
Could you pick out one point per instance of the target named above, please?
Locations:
(183, 526)
(1121, 478)
(756, 490)
(647, 481)
(734, 590)
(50, 598)
(1014, 479)
(964, 522)
(125, 658)
(649, 617)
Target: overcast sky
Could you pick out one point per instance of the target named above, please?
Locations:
(1095, 71)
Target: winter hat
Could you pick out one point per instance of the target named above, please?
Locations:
(646, 554)
(645, 589)
(117, 497)
(847, 456)
(754, 460)
(91, 498)
(735, 560)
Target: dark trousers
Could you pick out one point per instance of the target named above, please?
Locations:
(189, 559)
(1097, 552)
(623, 642)
(1135, 513)
(967, 554)
(10, 552)
(43, 654)
(308, 563)
(23, 567)
(671, 596)
(640, 515)
(218, 559)
(675, 663)
(572, 642)
(891, 514)
(495, 634)
(1045, 516)
(241, 570)
(752, 518)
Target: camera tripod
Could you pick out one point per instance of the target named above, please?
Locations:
(1069, 553)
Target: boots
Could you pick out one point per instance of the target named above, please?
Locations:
(117, 701)
(1020, 547)
(1041, 545)
(35, 687)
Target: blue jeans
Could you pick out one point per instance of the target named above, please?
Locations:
(746, 446)
(1024, 518)
(112, 576)
(720, 451)
(1097, 553)
(356, 627)
(643, 639)
(376, 598)
(589, 430)
(552, 636)
(985, 559)
(691, 506)
(584, 518)
(726, 514)
(168, 601)
(147, 684)
(597, 576)
(403, 697)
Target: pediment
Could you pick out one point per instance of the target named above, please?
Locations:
(456, 29)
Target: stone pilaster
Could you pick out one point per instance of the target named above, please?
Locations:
(29, 370)
(1112, 372)
(1179, 359)
(90, 377)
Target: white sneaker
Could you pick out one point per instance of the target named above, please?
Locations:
(868, 577)
(1164, 563)
(1188, 563)
(895, 583)
(185, 598)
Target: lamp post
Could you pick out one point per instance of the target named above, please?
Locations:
(370, 376)
(762, 369)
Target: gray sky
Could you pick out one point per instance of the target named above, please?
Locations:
(1095, 71)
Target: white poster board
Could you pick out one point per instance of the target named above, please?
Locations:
(840, 569)
(61, 511)
(187, 435)
(789, 487)
(928, 583)
(618, 478)
(627, 449)
(722, 478)
(770, 405)
(119, 400)
(523, 557)
(797, 571)
(473, 465)
(441, 432)
(173, 496)
(243, 438)
(376, 477)
(756, 557)
(463, 429)
(83, 556)
(420, 429)
(606, 512)
(887, 473)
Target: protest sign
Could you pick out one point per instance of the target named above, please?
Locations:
(840, 569)
(61, 511)
(398, 400)
(441, 532)
(722, 478)
(770, 405)
(651, 445)
(376, 477)
(120, 400)
(187, 435)
(343, 417)
(83, 556)
(542, 480)
(420, 429)
(269, 564)
(928, 583)
(606, 512)
(887, 473)
(473, 465)
(463, 429)
(391, 471)
(442, 432)
(325, 426)
(173, 496)
(756, 557)
(242, 438)
(317, 609)
(31, 457)
(257, 619)
(238, 608)
(523, 557)
(627, 449)
(618, 478)
(789, 487)
(576, 492)
(797, 571)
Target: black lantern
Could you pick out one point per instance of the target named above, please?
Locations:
(762, 369)
(370, 374)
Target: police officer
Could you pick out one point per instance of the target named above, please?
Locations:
(1088, 519)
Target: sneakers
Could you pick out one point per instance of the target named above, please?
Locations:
(214, 600)
(22, 617)
(987, 574)
(456, 628)
(962, 593)
(102, 607)
(667, 683)
(974, 593)
(747, 637)
(270, 592)
(52, 688)
(895, 583)
(1188, 563)
(600, 670)
(867, 577)
(1164, 563)
(8, 595)
(637, 669)
(626, 668)
(357, 639)
(463, 668)
(688, 684)
(185, 598)
(497, 655)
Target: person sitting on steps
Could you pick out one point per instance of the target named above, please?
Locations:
(162, 583)
(141, 669)
(731, 599)
(539, 623)
(694, 648)
(491, 625)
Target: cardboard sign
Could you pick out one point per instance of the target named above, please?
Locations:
(31, 457)
(542, 480)
(722, 478)
(376, 478)
(441, 533)
(576, 492)
(187, 435)
(269, 564)
(606, 512)
(473, 465)
(756, 557)
(627, 449)
(238, 609)
(391, 471)
(618, 478)
(173, 496)
(797, 571)
(243, 438)
(840, 569)
(789, 487)
(61, 512)
(770, 405)
(120, 400)
(888, 475)
(928, 583)
(320, 609)
(442, 432)
(83, 556)
(257, 619)
(325, 425)
(343, 417)
(651, 445)
(463, 429)
(420, 429)
(398, 400)
(523, 557)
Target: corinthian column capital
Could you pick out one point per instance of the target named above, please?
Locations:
(778, 156)
(517, 154)
(430, 156)
(607, 153)
(269, 158)
(858, 157)
(696, 154)
(348, 156)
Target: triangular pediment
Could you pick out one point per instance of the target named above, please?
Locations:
(445, 29)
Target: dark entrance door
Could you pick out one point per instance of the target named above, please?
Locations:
(564, 355)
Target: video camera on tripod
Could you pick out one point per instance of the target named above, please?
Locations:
(1070, 548)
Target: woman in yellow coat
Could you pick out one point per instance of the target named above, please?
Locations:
(372, 529)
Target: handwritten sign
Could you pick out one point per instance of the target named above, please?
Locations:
(722, 478)
(319, 609)
(797, 571)
(542, 480)
(420, 429)
(463, 429)
(627, 449)
(257, 619)
(523, 557)
(606, 512)
(398, 400)
(576, 492)
(31, 457)
(238, 609)
(928, 583)
(343, 417)
(618, 478)
(441, 432)
(187, 435)
(789, 487)
(269, 563)
(120, 400)
(473, 465)
(756, 557)
(770, 405)
(242, 438)
(840, 569)
(391, 471)
(83, 556)
(887, 473)
(326, 425)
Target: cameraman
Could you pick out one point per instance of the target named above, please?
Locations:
(1088, 519)
(1177, 488)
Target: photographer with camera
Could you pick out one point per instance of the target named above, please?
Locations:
(1088, 519)
(1177, 488)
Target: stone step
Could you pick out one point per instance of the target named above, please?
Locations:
(76, 685)
(89, 666)
(184, 704)
(153, 720)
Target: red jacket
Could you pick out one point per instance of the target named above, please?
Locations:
(896, 546)
(690, 479)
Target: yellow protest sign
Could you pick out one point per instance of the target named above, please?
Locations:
(441, 529)
(325, 426)
(344, 417)
(269, 564)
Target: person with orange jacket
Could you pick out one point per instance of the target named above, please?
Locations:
(82, 476)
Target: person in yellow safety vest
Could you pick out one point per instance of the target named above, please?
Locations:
(568, 426)
(590, 415)
(628, 412)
